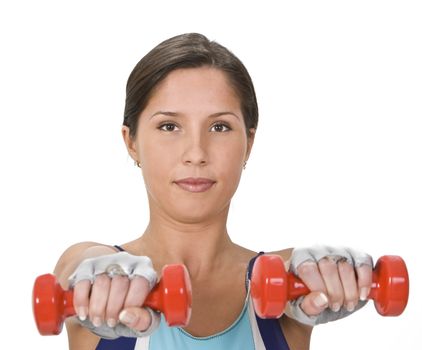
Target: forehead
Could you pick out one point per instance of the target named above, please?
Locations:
(203, 85)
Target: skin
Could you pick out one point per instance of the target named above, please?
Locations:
(200, 134)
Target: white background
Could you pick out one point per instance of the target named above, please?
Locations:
(337, 157)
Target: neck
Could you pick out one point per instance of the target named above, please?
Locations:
(203, 247)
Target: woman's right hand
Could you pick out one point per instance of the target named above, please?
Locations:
(109, 292)
(113, 299)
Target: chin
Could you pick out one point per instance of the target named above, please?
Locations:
(192, 213)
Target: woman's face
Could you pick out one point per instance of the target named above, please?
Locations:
(192, 127)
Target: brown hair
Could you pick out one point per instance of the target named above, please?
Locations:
(189, 50)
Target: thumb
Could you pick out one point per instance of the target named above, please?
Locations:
(136, 318)
(314, 303)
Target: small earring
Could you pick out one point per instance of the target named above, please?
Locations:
(137, 163)
(244, 165)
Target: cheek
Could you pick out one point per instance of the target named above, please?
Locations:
(156, 155)
(157, 166)
(230, 161)
(232, 152)
(158, 169)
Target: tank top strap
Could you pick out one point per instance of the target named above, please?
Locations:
(119, 248)
(249, 270)
(270, 329)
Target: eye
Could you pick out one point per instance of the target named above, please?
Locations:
(219, 127)
(167, 127)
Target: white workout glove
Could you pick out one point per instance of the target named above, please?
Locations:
(315, 254)
(118, 264)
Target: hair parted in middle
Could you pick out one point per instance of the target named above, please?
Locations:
(191, 50)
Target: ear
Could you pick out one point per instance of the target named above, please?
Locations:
(130, 143)
(250, 141)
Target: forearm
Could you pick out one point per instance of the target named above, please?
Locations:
(298, 335)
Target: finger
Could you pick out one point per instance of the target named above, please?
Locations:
(309, 273)
(118, 291)
(364, 273)
(328, 268)
(350, 287)
(314, 303)
(81, 298)
(136, 318)
(98, 299)
(137, 293)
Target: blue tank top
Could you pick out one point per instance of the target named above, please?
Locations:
(248, 332)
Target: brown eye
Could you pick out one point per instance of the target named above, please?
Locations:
(167, 127)
(220, 127)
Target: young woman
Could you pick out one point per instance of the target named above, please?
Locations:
(190, 121)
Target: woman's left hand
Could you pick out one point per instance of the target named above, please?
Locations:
(339, 279)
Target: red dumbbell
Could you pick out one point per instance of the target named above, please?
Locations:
(172, 296)
(272, 287)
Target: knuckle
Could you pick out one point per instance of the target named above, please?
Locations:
(96, 307)
(144, 321)
(102, 281)
(142, 325)
(309, 308)
(79, 300)
(139, 287)
(120, 280)
(80, 297)
(140, 281)
(365, 275)
(113, 308)
(120, 284)
(352, 295)
(345, 267)
(327, 264)
(81, 285)
(306, 268)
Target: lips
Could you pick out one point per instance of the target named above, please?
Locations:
(199, 184)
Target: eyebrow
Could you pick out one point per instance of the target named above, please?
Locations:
(175, 114)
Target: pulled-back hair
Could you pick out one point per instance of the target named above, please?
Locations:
(191, 50)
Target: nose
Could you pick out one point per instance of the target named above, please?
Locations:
(195, 152)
